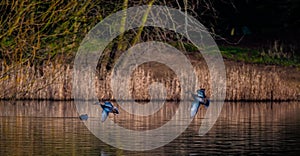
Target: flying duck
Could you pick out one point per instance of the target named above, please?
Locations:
(199, 99)
(107, 108)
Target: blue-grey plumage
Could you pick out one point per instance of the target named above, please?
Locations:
(83, 117)
(194, 109)
(199, 99)
(107, 108)
(104, 115)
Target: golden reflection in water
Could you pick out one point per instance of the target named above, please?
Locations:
(44, 128)
(236, 113)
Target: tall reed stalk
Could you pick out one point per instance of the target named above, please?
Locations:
(244, 82)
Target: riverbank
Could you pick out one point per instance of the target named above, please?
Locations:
(245, 82)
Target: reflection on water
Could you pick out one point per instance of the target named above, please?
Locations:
(53, 128)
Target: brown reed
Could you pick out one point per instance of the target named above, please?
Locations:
(53, 81)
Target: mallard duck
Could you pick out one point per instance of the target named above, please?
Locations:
(107, 108)
(199, 99)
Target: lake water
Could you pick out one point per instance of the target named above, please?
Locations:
(53, 128)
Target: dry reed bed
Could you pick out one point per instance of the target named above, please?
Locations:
(244, 82)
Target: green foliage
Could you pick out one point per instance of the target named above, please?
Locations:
(274, 55)
(39, 30)
(257, 56)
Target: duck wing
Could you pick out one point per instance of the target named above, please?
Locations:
(104, 115)
(197, 98)
(194, 108)
(107, 107)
